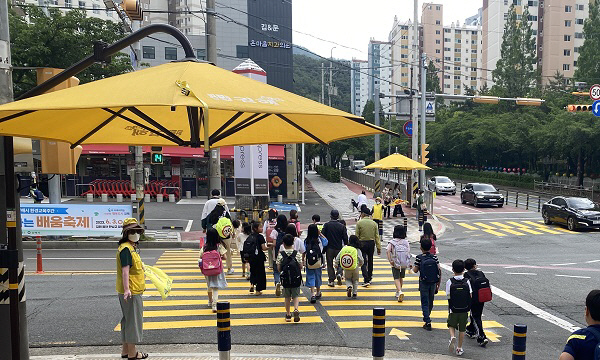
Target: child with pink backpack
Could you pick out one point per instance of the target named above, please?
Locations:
(210, 262)
(398, 254)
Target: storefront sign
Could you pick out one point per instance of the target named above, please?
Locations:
(251, 170)
(270, 44)
(68, 220)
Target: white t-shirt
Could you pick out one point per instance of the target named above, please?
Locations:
(298, 243)
(449, 282)
(362, 199)
(239, 240)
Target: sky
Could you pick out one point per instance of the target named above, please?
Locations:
(351, 23)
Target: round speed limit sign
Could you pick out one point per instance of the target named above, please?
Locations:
(595, 92)
(347, 261)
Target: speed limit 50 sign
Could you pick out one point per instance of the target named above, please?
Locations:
(595, 92)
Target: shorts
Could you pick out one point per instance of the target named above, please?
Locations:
(242, 256)
(292, 293)
(398, 273)
(458, 321)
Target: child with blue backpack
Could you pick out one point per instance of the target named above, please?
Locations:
(398, 254)
(430, 278)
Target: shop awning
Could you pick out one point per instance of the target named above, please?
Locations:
(276, 152)
(105, 150)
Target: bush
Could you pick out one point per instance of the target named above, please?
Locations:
(496, 178)
(329, 173)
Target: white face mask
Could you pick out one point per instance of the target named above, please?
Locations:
(134, 237)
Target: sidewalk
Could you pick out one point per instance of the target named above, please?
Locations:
(241, 352)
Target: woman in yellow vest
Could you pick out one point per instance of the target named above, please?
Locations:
(130, 287)
(377, 214)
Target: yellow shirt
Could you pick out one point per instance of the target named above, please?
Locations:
(137, 282)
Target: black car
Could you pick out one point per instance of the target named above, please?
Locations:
(481, 194)
(575, 212)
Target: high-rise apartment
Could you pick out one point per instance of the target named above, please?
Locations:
(402, 55)
(380, 70)
(359, 83)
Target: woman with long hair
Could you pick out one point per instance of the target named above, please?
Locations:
(429, 234)
(313, 257)
(214, 282)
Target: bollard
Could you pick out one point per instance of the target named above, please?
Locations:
(517, 200)
(188, 194)
(90, 197)
(171, 198)
(539, 203)
(406, 223)
(378, 346)
(506, 197)
(39, 269)
(159, 198)
(119, 198)
(147, 197)
(527, 202)
(519, 342)
(104, 197)
(223, 330)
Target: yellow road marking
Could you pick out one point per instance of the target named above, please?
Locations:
(547, 230)
(203, 293)
(522, 227)
(196, 302)
(366, 293)
(70, 272)
(492, 336)
(443, 217)
(465, 225)
(379, 303)
(233, 311)
(486, 226)
(501, 225)
(510, 231)
(558, 228)
(406, 324)
(185, 324)
(437, 314)
(493, 232)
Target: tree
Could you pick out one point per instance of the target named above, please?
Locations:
(59, 40)
(588, 67)
(516, 70)
(433, 80)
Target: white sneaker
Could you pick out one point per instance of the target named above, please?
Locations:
(459, 351)
(230, 272)
(214, 307)
(400, 297)
(452, 345)
(397, 294)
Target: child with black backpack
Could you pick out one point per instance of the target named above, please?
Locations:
(314, 260)
(254, 248)
(482, 293)
(289, 265)
(429, 279)
(458, 290)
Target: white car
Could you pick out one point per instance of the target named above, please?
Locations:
(442, 185)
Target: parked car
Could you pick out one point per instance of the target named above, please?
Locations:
(442, 185)
(481, 194)
(575, 212)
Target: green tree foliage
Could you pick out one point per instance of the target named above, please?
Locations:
(433, 80)
(588, 66)
(59, 40)
(516, 71)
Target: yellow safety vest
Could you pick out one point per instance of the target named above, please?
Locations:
(348, 258)
(378, 212)
(137, 282)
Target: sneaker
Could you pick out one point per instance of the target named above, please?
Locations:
(318, 296)
(258, 293)
(427, 326)
(470, 334)
(354, 296)
(210, 304)
(214, 307)
(366, 284)
(296, 316)
(397, 294)
(248, 277)
(288, 317)
(251, 291)
(452, 345)
(483, 342)
(349, 291)
(400, 297)
(339, 279)
(330, 284)
(278, 289)
(230, 272)
(459, 351)
(313, 299)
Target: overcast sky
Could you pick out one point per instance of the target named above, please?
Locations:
(352, 23)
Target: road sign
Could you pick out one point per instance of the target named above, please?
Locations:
(595, 92)
(596, 108)
(407, 128)
(430, 107)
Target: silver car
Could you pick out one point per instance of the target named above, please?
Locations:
(442, 185)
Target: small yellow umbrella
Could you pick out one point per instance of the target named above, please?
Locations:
(397, 162)
(171, 104)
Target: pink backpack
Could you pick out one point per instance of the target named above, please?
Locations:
(211, 263)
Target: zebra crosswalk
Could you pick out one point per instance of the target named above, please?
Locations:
(518, 228)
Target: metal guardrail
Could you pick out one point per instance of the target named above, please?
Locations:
(565, 189)
(520, 199)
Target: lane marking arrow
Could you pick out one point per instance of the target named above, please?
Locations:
(402, 335)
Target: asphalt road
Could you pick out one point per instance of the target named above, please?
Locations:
(533, 267)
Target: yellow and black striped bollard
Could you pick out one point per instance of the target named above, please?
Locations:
(378, 346)
(223, 330)
(519, 342)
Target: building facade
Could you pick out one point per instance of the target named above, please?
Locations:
(380, 71)
(359, 83)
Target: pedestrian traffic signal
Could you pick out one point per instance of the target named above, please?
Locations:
(578, 108)
(157, 158)
(424, 153)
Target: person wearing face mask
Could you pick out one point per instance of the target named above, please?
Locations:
(377, 214)
(130, 287)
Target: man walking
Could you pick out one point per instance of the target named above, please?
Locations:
(337, 237)
(368, 236)
(210, 206)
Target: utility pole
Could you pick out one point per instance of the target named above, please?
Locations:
(330, 87)
(377, 138)
(423, 104)
(214, 163)
(322, 83)
(138, 150)
(13, 321)
(415, 104)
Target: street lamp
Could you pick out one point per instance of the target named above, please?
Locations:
(486, 99)
(529, 102)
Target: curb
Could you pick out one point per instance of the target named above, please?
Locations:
(104, 244)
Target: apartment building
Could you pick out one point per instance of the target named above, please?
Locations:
(403, 55)
(359, 82)
(380, 71)
(94, 8)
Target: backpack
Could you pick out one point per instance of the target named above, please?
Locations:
(250, 248)
(596, 334)
(460, 296)
(211, 263)
(481, 287)
(279, 240)
(314, 258)
(349, 258)
(39, 195)
(224, 227)
(270, 228)
(291, 277)
(429, 270)
(400, 255)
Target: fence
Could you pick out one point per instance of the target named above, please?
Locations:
(566, 189)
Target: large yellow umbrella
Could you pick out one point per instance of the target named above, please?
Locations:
(397, 162)
(169, 104)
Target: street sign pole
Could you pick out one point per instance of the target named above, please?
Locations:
(423, 114)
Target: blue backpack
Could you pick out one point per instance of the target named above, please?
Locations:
(429, 270)
(596, 334)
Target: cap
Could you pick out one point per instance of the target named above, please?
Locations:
(221, 202)
(378, 198)
(131, 224)
(335, 214)
(365, 209)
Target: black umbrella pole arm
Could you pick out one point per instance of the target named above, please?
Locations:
(109, 51)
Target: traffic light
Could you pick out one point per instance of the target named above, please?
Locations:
(424, 153)
(133, 9)
(156, 156)
(578, 108)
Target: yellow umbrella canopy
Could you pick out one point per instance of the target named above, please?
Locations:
(169, 104)
(397, 162)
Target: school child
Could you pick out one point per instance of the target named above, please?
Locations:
(482, 293)
(211, 266)
(458, 290)
(268, 227)
(294, 220)
(254, 248)
(241, 237)
(314, 260)
(398, 254)
(429, 279)
(289, 265)
(350, 258)
(316, 219)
